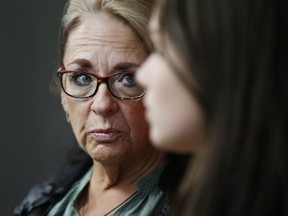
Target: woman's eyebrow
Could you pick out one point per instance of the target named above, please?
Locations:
(153, 28)
(126, 66)
(83, 63)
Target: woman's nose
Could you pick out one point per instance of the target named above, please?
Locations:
(104, 103)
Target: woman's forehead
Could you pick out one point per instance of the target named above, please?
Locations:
(102, 29)
(99, 42)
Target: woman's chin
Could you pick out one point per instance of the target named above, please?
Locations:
(164, 143)
(105, 154)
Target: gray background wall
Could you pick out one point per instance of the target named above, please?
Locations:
(34, 135)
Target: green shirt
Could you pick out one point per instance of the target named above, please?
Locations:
(148, 201)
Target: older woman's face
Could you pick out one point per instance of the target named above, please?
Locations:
(107, 128)
(175, 117)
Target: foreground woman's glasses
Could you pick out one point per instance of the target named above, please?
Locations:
(82, 84)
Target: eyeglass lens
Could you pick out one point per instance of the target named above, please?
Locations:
(122, 85)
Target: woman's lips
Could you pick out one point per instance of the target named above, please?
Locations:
(106, 135)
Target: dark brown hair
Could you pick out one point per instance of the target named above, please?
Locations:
(237, 51)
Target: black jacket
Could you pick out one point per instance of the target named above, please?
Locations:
(43, 197)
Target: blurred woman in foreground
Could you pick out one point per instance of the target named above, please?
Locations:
(217, 88)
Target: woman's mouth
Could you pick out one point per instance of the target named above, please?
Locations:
(106, 135)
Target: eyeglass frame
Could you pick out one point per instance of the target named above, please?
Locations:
(100, 79)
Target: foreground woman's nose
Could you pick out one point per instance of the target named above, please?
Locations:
(104, 103)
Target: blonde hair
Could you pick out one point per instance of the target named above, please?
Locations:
(135, 13)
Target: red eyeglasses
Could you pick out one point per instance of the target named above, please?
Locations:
(82, 84)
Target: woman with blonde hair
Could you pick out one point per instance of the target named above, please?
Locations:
(104, 42)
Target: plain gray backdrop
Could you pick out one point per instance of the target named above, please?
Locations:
(34, 134)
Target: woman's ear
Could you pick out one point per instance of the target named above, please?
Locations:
(65, 106)
(64, 102)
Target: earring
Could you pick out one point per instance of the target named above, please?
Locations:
(67, 117)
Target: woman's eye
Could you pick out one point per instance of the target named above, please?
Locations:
(81, 79)
(128, 80)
